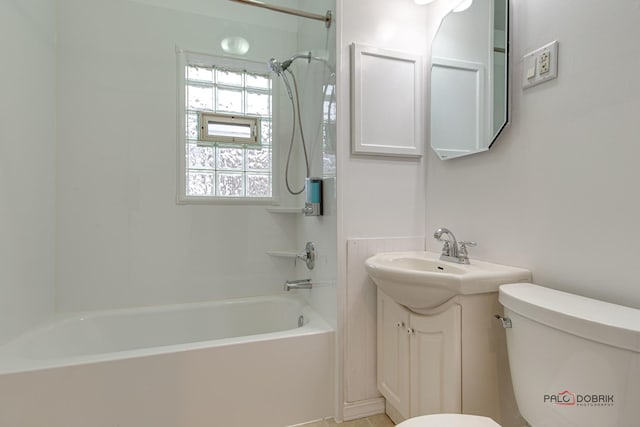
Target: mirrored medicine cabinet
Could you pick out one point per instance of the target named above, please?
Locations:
(469, 78)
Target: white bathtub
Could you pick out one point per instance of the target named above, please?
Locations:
(240, 362)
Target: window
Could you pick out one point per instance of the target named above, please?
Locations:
(228, 128)
(226, 138)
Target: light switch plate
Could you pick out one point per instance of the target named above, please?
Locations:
(540, 66)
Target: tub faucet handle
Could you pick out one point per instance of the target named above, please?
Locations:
(308, 255)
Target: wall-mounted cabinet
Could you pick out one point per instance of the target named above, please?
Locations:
(387, 102)
(448, 359)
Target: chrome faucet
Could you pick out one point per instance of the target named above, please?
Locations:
(453, 251)
(297, 284)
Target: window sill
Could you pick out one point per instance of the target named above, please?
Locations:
(257, 201)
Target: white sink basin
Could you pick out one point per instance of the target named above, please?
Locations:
(420, 280)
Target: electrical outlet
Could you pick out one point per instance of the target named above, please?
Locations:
(545, 62)
(540, 65)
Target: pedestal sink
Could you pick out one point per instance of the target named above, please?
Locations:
(420, 280)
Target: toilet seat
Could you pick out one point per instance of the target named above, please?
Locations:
(449, 420)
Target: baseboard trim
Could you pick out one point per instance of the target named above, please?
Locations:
(362, 408)
(394, 414)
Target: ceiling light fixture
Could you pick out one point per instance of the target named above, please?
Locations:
(235, 45)
(463, 6)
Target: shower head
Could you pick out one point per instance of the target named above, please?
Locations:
(280, 67)
(275, 66)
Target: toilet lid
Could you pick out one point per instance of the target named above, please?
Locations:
(449, 420)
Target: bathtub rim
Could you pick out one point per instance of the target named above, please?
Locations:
(11, 363)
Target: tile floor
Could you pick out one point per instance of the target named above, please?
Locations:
(380, 420)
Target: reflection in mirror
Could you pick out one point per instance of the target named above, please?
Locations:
(469, 78)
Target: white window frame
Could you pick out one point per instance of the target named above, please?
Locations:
(185, 57)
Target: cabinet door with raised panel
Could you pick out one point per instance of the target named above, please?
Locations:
(393, 353)
(435, 348)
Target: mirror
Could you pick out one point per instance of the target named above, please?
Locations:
(469, 78)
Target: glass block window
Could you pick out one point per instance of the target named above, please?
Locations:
(218, 169)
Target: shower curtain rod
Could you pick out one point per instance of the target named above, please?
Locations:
(327, 18)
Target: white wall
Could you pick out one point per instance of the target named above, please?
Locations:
(229, 10)
(556, 193)
(381, 196)
(27, 163)
(122, 240)
(377, 196)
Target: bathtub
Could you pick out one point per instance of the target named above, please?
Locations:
(240, 362)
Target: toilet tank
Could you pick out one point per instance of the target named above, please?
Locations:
(574, 361)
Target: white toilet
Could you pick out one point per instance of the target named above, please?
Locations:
(574, 361)
(449, 420)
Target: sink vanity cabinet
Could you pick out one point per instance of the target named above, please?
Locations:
(393, 354)
(440, 348)
(419, 359)
(449, 359)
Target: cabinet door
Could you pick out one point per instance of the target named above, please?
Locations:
(435, 349)
(393, 353)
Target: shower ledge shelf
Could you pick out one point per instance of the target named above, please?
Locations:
(284, 210)
(283, 254)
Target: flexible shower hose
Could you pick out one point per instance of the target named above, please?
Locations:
(295, 108)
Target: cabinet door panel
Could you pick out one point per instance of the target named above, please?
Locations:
(393, 353)
(435, 349)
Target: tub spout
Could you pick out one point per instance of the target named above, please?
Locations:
(297, 284)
